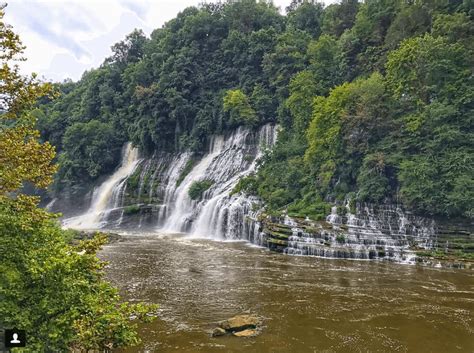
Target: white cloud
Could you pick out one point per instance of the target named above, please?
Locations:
(65, 38)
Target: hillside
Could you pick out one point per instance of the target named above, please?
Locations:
(374, 101)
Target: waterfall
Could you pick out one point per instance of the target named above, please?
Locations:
(218, 214)
(108, 195)
(179, 202)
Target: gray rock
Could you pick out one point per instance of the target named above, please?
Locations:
(218, 331)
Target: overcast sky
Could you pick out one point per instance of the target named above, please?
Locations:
(64, 38)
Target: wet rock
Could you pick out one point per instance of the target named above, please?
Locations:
(218, 331)
(246, 333)
(245, 325)
(240, 323)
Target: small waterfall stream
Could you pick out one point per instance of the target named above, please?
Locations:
(108, 195)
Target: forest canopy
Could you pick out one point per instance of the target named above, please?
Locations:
(374, 100)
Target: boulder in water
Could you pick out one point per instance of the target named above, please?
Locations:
(240, 323)
(245, 325)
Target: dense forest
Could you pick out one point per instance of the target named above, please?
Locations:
(374, 100)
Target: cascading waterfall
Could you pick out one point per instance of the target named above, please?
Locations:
(179, 202)
(108, 195)
(218, 215)
(223, 215)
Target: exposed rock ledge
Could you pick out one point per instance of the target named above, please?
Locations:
(372, 233)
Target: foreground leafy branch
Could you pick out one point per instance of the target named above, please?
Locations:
(53, 290)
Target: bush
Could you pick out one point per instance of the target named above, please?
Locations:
(198, 187)
(246, 185)
(132, 209)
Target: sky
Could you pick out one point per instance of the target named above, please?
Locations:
(63, 38)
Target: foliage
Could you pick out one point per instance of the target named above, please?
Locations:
(237, 104)
(197, 188)
(246, 185)
(89, 150)
(132, 209)
(374, 100)
(53, 290)
(186, 170)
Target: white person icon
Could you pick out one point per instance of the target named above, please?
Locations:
(15, 339)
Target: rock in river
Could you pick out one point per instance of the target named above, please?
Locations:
(241, 326)
(218, 331)
(240, 323)
(246, 333)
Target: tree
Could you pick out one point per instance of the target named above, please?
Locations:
(306, 16)
(339, 17)
(345, 127)
(92, 148)
(325, 57)
(237, 104)
(425, 68)
(129, 50)
(303, 89)
(51, 289)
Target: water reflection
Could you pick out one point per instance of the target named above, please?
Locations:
(310, 304)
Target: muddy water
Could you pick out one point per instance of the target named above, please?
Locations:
(309, 304)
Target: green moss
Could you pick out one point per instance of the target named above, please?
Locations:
(312, 207)
(186, 170)
(277, 241)
(134, 180)
(449, 255)
(132, 209)
(198, 187)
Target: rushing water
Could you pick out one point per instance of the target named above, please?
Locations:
(108, 195)
(309, 304)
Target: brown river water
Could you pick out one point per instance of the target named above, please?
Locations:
(308, 304)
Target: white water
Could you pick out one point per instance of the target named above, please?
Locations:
(217, 215)
(108, 195)
(178, 200)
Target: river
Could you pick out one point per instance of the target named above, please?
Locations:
(308, 304)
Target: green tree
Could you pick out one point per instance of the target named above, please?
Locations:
(325, 57)
(303, 89)
(425, 68)
(237, 104)
(53, 290)
(339, 17)
(91, 149)
(306, 15)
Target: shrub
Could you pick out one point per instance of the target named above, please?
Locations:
(132, 209)
(198, 187)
